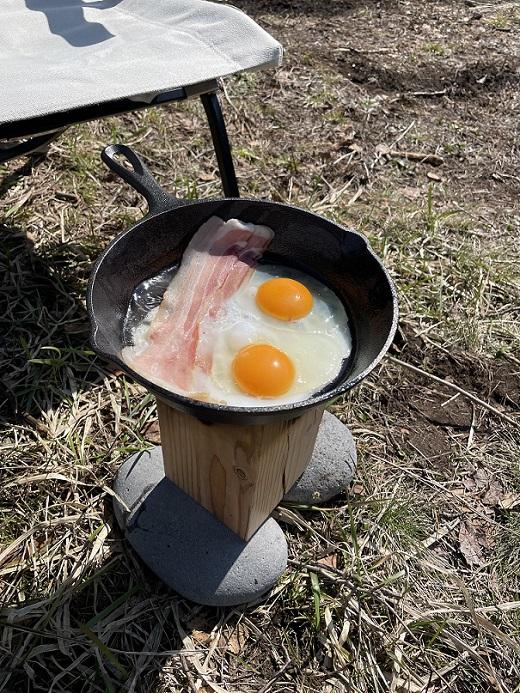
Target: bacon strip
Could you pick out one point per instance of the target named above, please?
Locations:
(217, 261)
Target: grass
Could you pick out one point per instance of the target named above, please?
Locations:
(382, 592)
(507, 554)
(435, 48)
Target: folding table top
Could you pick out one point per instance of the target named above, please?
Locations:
(57, 55)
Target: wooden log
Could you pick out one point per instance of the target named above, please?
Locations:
(238, 473)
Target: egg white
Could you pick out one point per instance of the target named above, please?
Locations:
(317, 344)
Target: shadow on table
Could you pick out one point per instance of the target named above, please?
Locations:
(66, 18)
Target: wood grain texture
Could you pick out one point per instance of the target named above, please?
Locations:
(238, 473)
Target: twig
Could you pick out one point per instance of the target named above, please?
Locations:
(384, 149)
(472, 428)
(490, 7)
(402, 135)
(356, 196)
(428, 94)
(467, 394)
(432, 159)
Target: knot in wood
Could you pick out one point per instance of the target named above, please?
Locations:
(240, 473)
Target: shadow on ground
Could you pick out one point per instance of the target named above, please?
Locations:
(123, 630)
(44, 345)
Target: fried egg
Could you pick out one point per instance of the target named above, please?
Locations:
(280, 338)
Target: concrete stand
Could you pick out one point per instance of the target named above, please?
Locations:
(186, 546)
(218, 545)
(332, 465)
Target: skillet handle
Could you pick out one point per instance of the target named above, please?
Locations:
(139, 178)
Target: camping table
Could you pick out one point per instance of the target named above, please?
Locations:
(67, 61)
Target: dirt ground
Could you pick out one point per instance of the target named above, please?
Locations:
(397, 118)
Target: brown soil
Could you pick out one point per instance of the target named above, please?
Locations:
(448, 66)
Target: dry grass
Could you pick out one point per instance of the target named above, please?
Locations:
(408, 583)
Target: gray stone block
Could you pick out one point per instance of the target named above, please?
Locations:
(332, 465)
(185, 546)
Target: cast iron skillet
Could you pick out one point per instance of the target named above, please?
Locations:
(339, 257)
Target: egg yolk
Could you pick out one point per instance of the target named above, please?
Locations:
(263, 371)
(283, 298)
